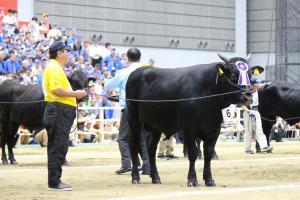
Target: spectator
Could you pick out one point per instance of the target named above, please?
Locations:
(104, 102)
(24, 135)
(89, 133)
(95, 52)
(10, 22)
(12, 65)
(278, 129)
(45, 24)
(107, 50)
(2, 63)
(33, 28)
(85, 50)
(71, 38)
(54, 33)
(166, 145)
(124, 60)
(42, 138)
(112, 62)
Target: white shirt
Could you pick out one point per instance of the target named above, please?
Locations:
(254, 99)
(95, 51)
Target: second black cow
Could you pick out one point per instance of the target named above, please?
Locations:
(279, 99)
(174, 103)
(24, 105)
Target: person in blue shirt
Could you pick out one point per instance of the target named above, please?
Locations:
(119, 81)
(2, 63)
(12, 65)
(104, 102)
(112, 62)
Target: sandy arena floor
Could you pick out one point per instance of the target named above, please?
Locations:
(91, 173)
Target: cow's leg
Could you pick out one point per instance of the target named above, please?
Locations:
(152, 147)
(198, 142)
(134, 139)
(192, 151)
(134, 150)
(4, 133)
(4, 157)
(11, 143)
(208, 147)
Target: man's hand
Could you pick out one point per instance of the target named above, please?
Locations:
(79, 94)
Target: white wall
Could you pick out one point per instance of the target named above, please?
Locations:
(261, 59)
(172, 58)
(25, 10)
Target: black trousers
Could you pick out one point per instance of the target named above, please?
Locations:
(123, 141)
(58, 119)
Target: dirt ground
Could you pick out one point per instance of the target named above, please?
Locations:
(91, 173)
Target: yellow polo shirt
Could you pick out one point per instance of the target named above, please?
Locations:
(55, 78)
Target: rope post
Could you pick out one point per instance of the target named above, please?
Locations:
(101, 118)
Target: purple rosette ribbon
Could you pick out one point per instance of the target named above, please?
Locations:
(243, 68)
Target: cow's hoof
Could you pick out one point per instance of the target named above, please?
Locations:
(192, 184)
(13, 162)
(156, 181)
(4, 162)
(135, 181)
(210, 183)
(215, 157)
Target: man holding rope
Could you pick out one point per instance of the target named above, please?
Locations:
(60, 112)
(119, 81)
(252, 120)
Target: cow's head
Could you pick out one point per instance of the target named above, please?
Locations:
(236, 70)
(236, 74)
(78, 80)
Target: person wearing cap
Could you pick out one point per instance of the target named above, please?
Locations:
(252, 119)
(45, 24)
(112, 62)
(119, 81)
(60, 112)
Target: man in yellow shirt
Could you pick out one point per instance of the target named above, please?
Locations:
(60, 112)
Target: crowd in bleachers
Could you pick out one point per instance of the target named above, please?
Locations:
(24, 55)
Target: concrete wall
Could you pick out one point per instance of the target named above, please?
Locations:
(202, 28)
(181, 24)
(261, 18)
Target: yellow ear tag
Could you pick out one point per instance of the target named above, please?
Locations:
(220, 71)
(256, 71)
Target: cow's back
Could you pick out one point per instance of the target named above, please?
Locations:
(280, 99)
(27, 105)
(174, 84)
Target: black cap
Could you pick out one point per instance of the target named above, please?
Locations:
(58, 45)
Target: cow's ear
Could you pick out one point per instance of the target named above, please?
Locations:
(220, 68)
(256, 70)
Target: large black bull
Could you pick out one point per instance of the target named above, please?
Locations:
(194, 116)
(279, 99)
(14, 113)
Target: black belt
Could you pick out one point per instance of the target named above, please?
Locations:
(62, 105)
(254, 108)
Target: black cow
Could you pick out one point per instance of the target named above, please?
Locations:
(195, 117)
(279, 99)
(30, 115)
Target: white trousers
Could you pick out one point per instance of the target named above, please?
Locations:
(253, 129)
